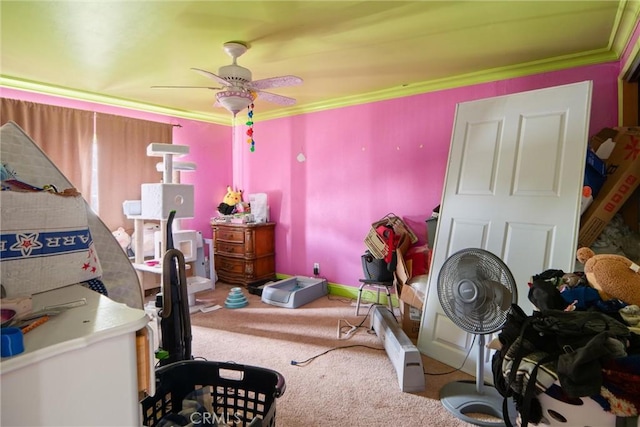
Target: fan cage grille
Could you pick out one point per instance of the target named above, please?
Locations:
(488, 316)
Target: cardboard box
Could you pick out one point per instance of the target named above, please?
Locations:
(402, 272)
(411, 297)
(411, 317)
(411, 308)
(623, 177)
(630, 211)
(411, 304)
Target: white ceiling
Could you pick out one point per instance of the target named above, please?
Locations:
(347, 52)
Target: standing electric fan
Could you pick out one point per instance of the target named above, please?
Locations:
(476, 290)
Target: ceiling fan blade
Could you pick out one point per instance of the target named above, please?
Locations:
(186, 87)
(280, 81)
(276, 99)
(212, 76)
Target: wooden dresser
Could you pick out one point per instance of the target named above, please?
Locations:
(244, 253)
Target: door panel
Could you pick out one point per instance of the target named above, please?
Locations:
(478, 168)
(540, 137)
(513, 186)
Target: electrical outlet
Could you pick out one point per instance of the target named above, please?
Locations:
(316, 268)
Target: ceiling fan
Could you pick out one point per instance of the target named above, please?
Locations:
(238, 91)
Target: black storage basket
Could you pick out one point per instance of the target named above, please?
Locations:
(240, 395)
(375, 269)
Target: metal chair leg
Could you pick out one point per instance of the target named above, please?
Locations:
(377, 285)
(359, 299)
(389, 302)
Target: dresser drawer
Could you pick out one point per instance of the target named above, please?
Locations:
(234, 266)
(227, 248)
(230, 235)
(245, 271)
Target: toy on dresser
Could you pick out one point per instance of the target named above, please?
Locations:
(230, 201)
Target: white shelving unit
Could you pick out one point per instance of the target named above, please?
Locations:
(157, 201)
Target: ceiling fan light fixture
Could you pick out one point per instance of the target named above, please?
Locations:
(240, 90)
(234, 100)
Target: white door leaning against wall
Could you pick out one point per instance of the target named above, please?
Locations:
(513, 186)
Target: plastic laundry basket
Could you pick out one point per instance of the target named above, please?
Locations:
(213, 393)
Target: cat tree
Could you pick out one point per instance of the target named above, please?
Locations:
(157, 201)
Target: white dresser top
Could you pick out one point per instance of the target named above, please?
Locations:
(99, 319)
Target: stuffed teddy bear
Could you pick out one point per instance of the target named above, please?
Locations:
(613, 276)
(229, 202)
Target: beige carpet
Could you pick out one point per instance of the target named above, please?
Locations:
(354, 386)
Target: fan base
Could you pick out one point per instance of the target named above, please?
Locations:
(462, 398)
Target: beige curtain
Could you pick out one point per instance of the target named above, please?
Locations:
(123, 164)
(64, 134)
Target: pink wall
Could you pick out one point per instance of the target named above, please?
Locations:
(365, 161)
(210, 149)
(362, 162)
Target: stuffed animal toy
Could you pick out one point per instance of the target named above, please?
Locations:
(123, 238)
(229, 202)
(613, 276)
(571, 280)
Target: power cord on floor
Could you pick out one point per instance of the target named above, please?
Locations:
(351, 329)
(341, 299)
(390, 311)
(304, 363)
(346, 334)
(463, 362)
